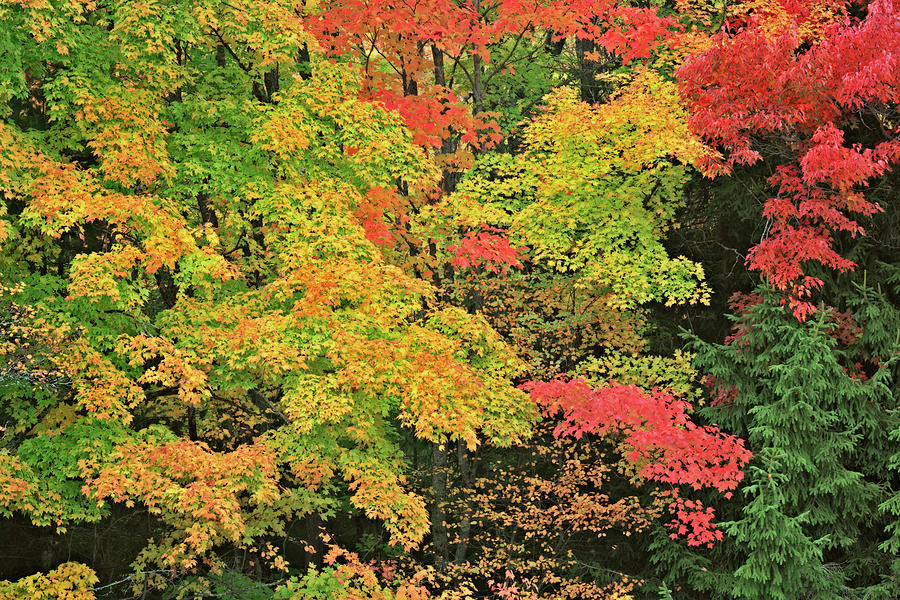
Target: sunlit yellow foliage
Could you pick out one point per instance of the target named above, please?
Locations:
(595, 192)
(68, 581)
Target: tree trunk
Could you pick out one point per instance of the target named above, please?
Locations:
(467, 474)
(449, 178)
(439, 501)
(587, 71)
(477, 73)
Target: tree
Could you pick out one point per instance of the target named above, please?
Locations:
(438, 62)
(199, 325)
(561, 244)
(836, 83)
(806, 520)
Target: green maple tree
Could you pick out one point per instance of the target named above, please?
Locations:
(198, 325)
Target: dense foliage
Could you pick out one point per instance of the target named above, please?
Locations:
(453, 299)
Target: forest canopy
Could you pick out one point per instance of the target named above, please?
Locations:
(449, 299)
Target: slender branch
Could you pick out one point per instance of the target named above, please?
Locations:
(230, 51)
(129, 578)
(166, 391)
(260, 399)
(505, 60)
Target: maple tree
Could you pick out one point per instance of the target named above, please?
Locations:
(804, 74)
(200, 326)
(540, 243)
(438, 62)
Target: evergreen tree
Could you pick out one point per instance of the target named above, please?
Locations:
(803, 522)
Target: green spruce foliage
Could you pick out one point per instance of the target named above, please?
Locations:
(817, 403)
